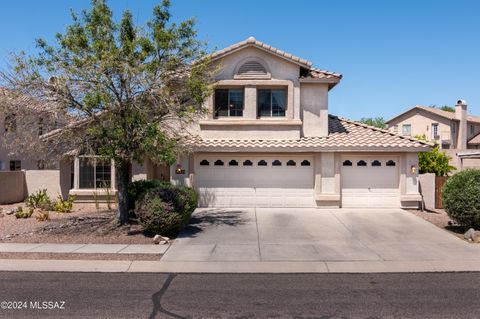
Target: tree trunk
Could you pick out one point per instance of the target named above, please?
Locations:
(122, 173)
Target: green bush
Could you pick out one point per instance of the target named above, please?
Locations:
(20, 213)
(40, 200)
(64, 205)
(435, 161)
(461, 197)
(137, 189)
(166, 209)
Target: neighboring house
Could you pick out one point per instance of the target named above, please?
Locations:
(453, 131)
(270, 142)
(27, 127)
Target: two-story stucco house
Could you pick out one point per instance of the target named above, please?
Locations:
(269, 141)
(455, 132)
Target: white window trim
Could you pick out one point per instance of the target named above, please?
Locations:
(76, 175)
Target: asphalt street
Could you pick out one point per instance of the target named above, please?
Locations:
(119, 295)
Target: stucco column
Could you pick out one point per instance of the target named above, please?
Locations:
(180, 178)
(409, 191)
(296, 100)
(191, 167)
(411, 175)
(327, 180)
(250, 103)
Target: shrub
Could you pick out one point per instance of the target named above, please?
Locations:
(20, 213)
(461, 197)
(42, 215)
(166, 209)
(435, 161)
(137, 189)
(40, 200)
(64, 205)
(189, 198)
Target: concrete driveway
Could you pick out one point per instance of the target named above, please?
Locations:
(299, 235)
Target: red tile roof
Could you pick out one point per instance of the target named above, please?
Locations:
(344, 135)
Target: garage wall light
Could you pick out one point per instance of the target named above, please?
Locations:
(413, 169)
(179, 169)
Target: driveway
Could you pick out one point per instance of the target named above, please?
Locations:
(294, 235)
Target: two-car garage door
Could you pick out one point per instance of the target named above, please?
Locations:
(256, 181)
(288, 181)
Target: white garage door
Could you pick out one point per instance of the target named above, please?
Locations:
(370, 182)
(236, 181)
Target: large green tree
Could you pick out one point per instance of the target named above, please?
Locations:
(134, 89)
(374, 121)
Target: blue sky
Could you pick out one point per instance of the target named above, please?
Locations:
(392, 54)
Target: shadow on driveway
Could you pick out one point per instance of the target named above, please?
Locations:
(203, 219)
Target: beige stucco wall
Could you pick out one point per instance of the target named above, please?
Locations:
(427, 189)
(43, 179)
(183, 179)
(307, 102)
(421, 123)
(244, 130)
(139, 171)
(471, 163)
(12, 187)
(314, 102)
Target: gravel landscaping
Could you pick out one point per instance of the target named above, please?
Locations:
(440, 219)
(84, 225)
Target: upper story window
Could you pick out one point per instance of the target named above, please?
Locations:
(472, 129)
(271, 102)
(435, 131)
(10, 123)
(228, 102)
(406, 129)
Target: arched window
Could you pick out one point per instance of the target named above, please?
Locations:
(291, 163)
(361, 163)
(376, 163)
(204, 163)
(305, 163)
(218, 163)
(247, 163)
(390, 163)
(347, 163)
(233, 163)
(276, 163)
(262, 163)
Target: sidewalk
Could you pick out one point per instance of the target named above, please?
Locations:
(83, 248)
(166, 266)
(159, 266)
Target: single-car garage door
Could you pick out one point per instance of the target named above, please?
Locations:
(370, 181)
(256, 181)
